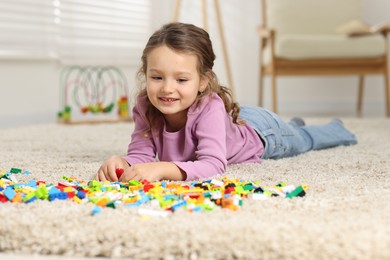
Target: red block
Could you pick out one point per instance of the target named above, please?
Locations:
(229, 190)
(3, 198)
(147, 187)
(71, 194)
(119, 172)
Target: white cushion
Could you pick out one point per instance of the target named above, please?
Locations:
(311, 16)
(307, 29)
(306, 46)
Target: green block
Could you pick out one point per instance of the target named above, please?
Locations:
(94, 200)
(29, 196)
(123, 190)
(15, 170)
(42, 193)
(111, 204)
(208, 207)
(298, 192)
(240, 190)
(94, 185)
(248, 186)
(165, 203)
(134, 183)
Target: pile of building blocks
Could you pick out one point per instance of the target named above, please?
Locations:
(168, 196)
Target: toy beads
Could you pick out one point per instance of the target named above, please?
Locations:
(196, 196)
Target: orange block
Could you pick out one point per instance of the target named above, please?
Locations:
(102, 202)
(17, 198)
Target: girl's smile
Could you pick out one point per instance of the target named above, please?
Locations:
(168, 101)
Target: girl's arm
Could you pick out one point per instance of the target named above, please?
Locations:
(153, 171)
(140, 150)
(209, 129)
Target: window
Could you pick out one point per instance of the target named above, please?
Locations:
(27, 29)
(75, 31)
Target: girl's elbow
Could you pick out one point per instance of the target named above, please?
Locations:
(222, 167)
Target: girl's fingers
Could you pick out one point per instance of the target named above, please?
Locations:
(110, 172)
(102, 177)
(128, 176)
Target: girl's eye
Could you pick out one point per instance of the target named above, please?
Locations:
(156, 78)
(182, 80)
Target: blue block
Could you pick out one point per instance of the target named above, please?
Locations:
(9, 193)
(80, 194)
(143, 199)
(135, 204)
(170, 197)
(178, 205)
(30, 200)
(96, 210)
(32, 184)
(197, 209)
(58, 196)
(54, 190)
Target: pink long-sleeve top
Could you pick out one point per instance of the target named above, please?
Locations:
(203, 148)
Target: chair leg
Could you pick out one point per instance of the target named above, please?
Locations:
(387, 93)
(360, 95)
(274, 93)
(261, 89)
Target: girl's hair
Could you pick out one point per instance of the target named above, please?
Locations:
(188, 39)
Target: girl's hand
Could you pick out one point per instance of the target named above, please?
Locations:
(107, 172)
(153, 171)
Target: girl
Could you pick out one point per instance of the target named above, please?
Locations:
(187, 126)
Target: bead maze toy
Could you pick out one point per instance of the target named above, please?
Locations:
(96, 91)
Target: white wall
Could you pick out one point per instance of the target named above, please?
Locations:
(29, 89)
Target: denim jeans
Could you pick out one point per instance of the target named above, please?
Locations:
(283, 139)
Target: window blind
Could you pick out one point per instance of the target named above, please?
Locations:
(27, 29)
(75, 31)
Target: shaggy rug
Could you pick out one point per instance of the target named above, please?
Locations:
(344, 215)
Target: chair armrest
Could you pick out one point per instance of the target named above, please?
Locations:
(385, 31)
(265, 32)
(383, 28)
(267, 35)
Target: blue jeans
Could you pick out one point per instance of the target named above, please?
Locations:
(289, 139)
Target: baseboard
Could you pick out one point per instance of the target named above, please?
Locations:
(28, 119)
(325, 109)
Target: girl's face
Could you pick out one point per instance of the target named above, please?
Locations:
(172, 84)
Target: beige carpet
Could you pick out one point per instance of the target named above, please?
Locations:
(345, 214)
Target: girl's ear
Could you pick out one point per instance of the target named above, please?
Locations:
(204, 81)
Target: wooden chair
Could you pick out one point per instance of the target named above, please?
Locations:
(300, 38)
